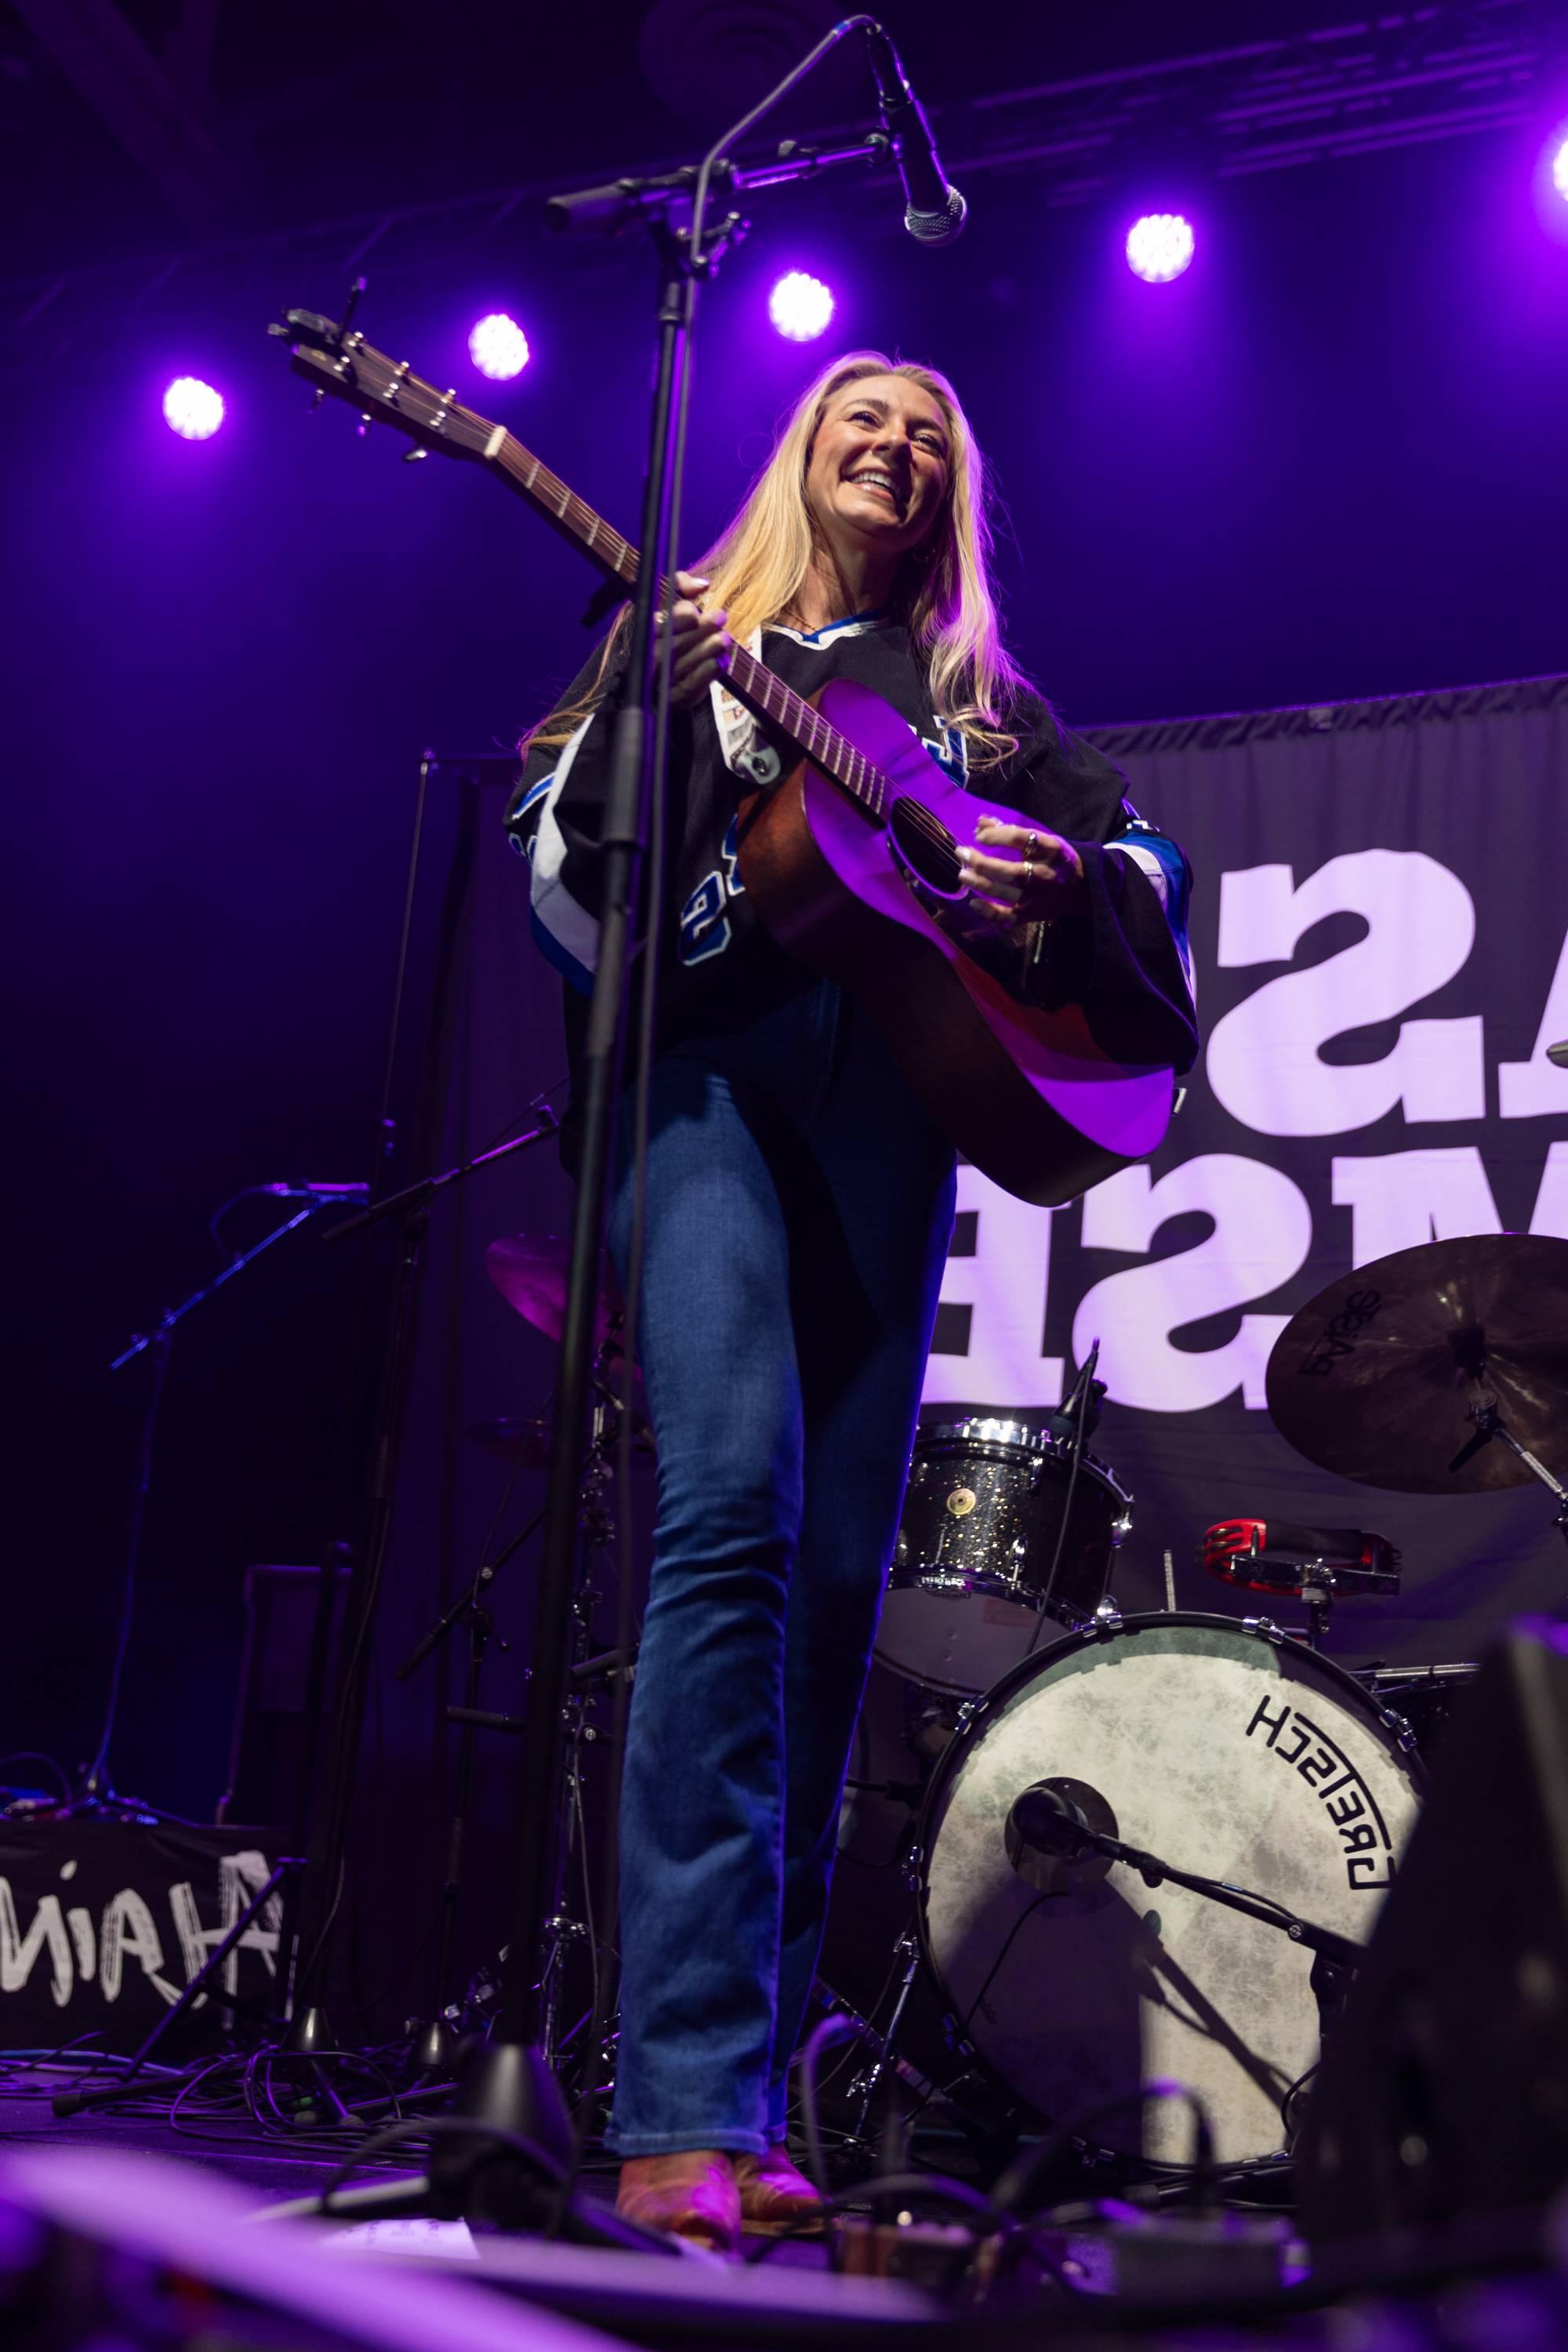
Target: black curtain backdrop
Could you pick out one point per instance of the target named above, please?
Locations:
(1379, 928)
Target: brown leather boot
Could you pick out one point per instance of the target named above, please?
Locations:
(691, 2194)
(775, 2195)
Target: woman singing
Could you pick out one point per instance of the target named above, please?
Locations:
(799, 1209)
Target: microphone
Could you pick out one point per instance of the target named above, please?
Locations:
(1080, 1409)
(934, 212)
(1558, 1054)
(1043, 1820)
(316, 1191)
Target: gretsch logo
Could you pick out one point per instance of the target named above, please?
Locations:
(1340, 1334)
(1339, 1788)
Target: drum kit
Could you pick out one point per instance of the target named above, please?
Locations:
(1235, 1748)
(1006, 1681)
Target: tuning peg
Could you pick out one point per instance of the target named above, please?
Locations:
(366, 422)
(412, 456)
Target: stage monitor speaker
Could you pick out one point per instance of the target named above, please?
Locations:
(1443, 2091)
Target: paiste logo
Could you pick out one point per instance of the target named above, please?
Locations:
(1340, 1334)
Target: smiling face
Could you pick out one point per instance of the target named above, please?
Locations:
(878, 469)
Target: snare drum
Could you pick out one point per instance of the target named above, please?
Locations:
(980, 1537)
(1222, 1749)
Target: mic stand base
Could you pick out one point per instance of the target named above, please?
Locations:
(484, 2178)
(435, 2049)
(309, 2033)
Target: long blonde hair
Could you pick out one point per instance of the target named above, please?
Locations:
(758, 566)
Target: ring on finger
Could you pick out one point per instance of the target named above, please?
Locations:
(1029, 868)
(1032, 847)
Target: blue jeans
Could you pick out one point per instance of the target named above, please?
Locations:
(800, 1206)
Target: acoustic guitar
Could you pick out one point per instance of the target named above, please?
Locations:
(850, 859)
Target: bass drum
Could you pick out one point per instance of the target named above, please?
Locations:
(1225, 1751)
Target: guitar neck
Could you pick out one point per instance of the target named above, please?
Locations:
(759, 689)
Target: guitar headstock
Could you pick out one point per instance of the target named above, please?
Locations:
(345, 367)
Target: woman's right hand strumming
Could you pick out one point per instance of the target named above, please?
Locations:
(700, 647)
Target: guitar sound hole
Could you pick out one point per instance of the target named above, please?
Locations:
(926, 847)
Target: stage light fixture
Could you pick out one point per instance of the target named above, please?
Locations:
(498, 347)
(1160, 246)
(1560, 169)
(191, 408)
(800, 306)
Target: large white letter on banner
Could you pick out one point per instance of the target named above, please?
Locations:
(1004, 1285)
(1552, 1201)
(1263, 1231)
(1406, 1197)
(1410, 1198)
(1264, 1062)
(1529, 1089)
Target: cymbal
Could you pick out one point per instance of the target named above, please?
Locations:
(1374, 1378)
(525, 1441)
(530, 1270)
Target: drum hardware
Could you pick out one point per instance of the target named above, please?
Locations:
(561, 1929)
(1263, 1764)
(866, 2087)
(1375, 1378)
(526, 1443)
(1314, 1565)
(1417, 1701)
(1071, 1426)
(1489, 1424)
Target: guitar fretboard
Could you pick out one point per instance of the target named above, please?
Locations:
(762, 690)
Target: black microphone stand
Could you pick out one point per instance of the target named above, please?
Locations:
(509, 2169)
(1068, 1836)
(96, 1793)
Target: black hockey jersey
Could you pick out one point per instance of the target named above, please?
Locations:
(1125, 959)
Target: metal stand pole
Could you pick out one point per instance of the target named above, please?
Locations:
(510, 2081)
(1489, 1423)
(434, 2049)
(322, 1896)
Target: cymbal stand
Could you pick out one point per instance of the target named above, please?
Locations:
(885, 2050)
(1489, 1423)
(325, 1876)
(436, 2047)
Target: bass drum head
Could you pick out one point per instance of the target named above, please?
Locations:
(1221, 1751)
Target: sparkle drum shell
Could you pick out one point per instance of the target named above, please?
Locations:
(972, 1569)
(1222, 1750)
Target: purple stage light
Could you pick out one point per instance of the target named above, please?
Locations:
(191, 408)
(499, 347)
(1160, 246)
(1560, 169)
(800, 306)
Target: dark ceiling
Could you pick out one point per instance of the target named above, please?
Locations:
(131, 127)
